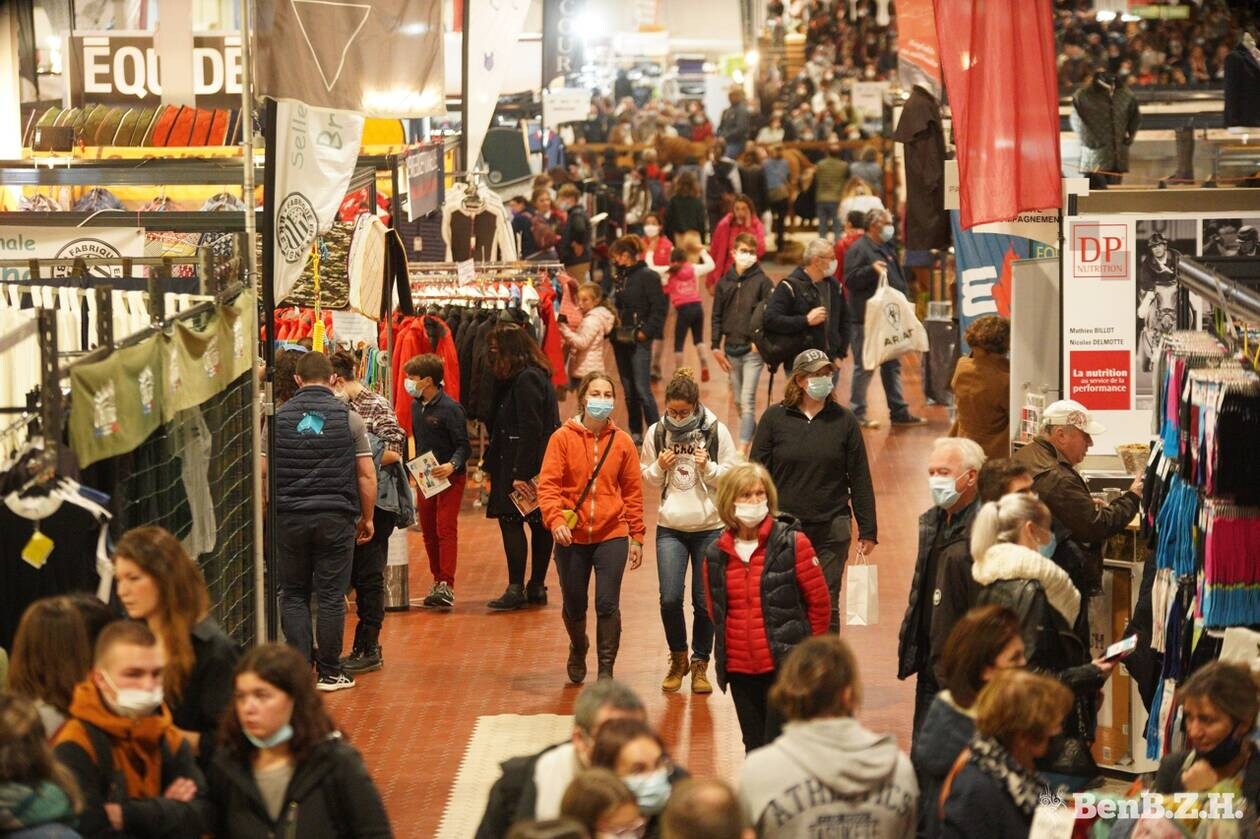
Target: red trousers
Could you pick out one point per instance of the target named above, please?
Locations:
(439, 522)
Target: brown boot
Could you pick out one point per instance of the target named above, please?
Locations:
(607, 642)
(700, 677)
(677, 669)
(578, 645)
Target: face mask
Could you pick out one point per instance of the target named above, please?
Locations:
(744, 260)
(832, 266)
(412, 388)
(343, 396)
(1219, 755)
(818, 386)
(887, 232)
(132, 702)
(282, 735)
(600, 409)
(681, 426)
(944, 491)
(651, 791)
(751, 515)
(1047, 550)
(651, 230)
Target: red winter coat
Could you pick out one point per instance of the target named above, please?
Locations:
(745, 638)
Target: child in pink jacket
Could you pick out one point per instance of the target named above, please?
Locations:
(585, 340)
(681, 280)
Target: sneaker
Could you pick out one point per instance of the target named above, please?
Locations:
(446, 595)
(334, 681)
(868, 423)
(909, 419)
(513, 598)
(536, 594)
(434, 598)
(364, 661)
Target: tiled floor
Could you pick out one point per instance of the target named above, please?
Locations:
(413, 719)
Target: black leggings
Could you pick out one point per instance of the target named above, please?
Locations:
(759, 722)
(516, 548)
(689, 316)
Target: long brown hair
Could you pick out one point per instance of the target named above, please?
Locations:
(794, 394)
(51, 652)
(182, 596)
(686, 186)
(284, 668)
(512, 349)
(974, 644)
(25, 754)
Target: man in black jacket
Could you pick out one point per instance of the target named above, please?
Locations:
(641, 306)
(531, 786)
(864, 262)
(944, 536)
(810, 302)
(575, 239)
(734, 298)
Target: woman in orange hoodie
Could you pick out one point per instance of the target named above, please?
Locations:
(591, 495)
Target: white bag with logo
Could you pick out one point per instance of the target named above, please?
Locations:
(892, 329)
(861, 592)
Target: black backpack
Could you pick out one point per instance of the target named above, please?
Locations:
(775, 347)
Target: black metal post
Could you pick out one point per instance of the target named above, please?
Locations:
(266, 230)
(465, 25)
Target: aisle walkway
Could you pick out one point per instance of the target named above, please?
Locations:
(413, 720)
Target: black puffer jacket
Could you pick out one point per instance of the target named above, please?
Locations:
(331, 796)
(734, 298)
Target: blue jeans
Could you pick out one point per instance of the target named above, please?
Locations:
(889, 374)
(745, 374)
(675, 550)
(828, 218)
(634, 365)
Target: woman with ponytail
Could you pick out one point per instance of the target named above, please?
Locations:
(685, 454)
(1011, 543)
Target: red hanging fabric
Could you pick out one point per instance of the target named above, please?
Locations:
(998, 59)
(551, 345)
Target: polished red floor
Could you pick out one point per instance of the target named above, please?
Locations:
(412, 720)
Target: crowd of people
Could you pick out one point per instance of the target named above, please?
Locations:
(1188, 52)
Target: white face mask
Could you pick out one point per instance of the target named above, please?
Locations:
(744, 260)
(751, 515)
(832, 267)
(132, 702)
(651, 230)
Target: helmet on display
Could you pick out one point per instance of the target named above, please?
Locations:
(1248, 234)
(1157, 239)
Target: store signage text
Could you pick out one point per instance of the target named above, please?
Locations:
(117, 69)
(1100, 251)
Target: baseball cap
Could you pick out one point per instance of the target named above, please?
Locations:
(1073, 413)
(810, 361)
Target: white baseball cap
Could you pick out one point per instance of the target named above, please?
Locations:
(1073, 413)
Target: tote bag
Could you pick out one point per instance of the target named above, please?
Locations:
(861, 592)
(892, 330)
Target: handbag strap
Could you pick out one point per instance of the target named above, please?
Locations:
(595, 474)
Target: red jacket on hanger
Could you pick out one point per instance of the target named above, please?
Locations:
(551, 345)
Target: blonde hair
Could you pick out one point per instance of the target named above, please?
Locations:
(596, 291)
(1021, 703)
(738, 480)
(1002, 520)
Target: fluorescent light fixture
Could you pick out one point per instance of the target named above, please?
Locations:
(415, 29)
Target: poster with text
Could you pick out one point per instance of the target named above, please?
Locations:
(1160, 245)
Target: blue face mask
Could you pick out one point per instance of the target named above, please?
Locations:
(1047, 550)
(600, 409)
(944, 490)
(412, 388)
(283, 734)
(818, 386)
(651, 791)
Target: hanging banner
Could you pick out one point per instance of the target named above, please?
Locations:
(561, 41)
(424, 181)
(121, 68)
(115, 403)
(382, 59)
(918, 60)
(998, 62)
(316, 152)
(67, 243)
(494, 26)
(983, 262)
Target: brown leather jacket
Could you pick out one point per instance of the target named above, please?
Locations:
(982, 391)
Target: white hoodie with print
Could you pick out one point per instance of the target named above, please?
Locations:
(691, 503)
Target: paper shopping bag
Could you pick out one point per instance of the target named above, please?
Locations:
(861, 594)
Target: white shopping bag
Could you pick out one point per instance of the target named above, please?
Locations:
(861, 592)
(891, 327)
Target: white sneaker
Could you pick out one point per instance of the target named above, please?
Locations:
(331, 683)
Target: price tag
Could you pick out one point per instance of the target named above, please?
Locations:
(467, 271)
(38, 548)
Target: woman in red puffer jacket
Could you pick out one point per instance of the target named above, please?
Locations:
(766, 594)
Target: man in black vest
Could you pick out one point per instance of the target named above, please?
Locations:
(325, 495)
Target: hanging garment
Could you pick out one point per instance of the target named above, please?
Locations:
(1106, 122)
(366, 266)
(476, 225)
(927, 223)
(1242, 87)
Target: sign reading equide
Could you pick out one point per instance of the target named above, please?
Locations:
(121, 68)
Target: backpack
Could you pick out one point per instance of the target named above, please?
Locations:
(775, 348)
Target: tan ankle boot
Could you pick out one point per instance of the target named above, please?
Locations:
(677, 669)
(700, 677)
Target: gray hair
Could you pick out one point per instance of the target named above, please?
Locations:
(604, 693)
(968, 451)
(1001, 521)
(817, 248)
(873, 216)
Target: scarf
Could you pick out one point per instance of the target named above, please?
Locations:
(1025, 788)
(679, 430)
(1008, 561)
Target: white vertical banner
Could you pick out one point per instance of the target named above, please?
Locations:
(173, 43)
(494, 26)
(316, 149)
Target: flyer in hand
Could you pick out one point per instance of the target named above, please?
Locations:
(422, 470)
